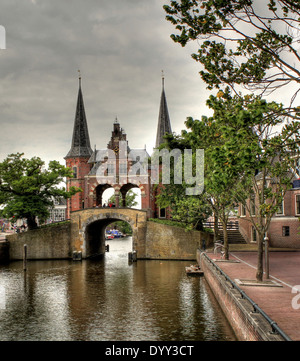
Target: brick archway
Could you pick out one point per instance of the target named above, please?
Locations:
(126, 188)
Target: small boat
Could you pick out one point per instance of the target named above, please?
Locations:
(109, 236)
(194, 270)
(116, 233)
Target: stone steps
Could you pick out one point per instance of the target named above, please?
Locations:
(234, 237)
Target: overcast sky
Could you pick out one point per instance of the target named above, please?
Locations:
(120, 47)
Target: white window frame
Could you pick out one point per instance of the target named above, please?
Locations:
(253, 231)
(282, 206)
(243, 211)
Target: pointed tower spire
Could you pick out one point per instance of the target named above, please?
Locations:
(164, 124)
(81, 141)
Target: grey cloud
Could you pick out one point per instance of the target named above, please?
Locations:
(120, 46)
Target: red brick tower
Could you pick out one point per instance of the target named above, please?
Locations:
(78, 156)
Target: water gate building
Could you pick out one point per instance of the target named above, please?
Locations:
(95, 170)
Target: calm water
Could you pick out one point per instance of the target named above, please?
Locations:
(108, 300)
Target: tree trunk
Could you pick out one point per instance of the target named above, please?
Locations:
(260, 254)
(226, 247)
(216, 228)
(31, 223)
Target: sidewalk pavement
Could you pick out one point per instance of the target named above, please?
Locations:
(279, 303)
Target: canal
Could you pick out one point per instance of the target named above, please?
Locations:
(108, 299)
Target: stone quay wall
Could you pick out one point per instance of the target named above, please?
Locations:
(4, 251)
(153, 241)
(173, 243)
(51, 242)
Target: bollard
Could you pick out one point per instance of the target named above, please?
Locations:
(132, 257)
(25, 257)
(77, 256)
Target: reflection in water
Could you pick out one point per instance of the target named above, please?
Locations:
(108, 300)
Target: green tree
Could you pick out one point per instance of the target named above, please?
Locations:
(190, 210)
(130, 199)
(253, 45)
(221, 179)
(249, 43)
(249, 150)
(263, 148)
(123, 227)
(28, 189)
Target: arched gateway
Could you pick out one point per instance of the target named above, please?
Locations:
(115, 166)
(88, 229)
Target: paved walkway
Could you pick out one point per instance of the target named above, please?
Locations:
(276, 302)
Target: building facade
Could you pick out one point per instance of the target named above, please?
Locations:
(58, 212)
(115, 166)
(284, 229)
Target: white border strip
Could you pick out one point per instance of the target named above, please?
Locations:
(250, 265)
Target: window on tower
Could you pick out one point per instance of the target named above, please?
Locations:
(75, 172)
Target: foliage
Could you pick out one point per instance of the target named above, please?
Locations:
(189, 210)
(261, 147)
(222, 173)
(122, 226)
(247, 42)
(28, 189)
(249, 149)
(54, 224)
(130, 199)
(254, 45)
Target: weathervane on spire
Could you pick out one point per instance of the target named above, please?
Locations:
(79, 77)
(163, 77)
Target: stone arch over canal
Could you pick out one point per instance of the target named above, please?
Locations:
(88, 229)
(85, 233)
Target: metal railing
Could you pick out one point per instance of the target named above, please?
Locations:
(232, 225)
(275, 328)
